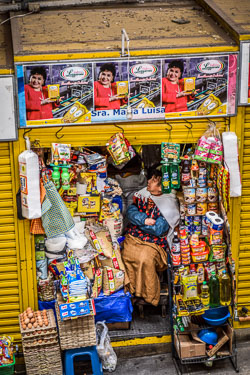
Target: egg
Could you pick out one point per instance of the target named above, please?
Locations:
(35, 325)
(24, 326)
(39, 332)
(30, 315)
(40, 341)
(32, 320)
(29, 325)
(26, 321)
(40, 324)
(46, 323)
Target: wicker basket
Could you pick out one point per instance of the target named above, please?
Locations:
(43, 360)
(77, 332)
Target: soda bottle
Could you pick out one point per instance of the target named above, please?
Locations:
(205, 295)
(214, 290)
(56, 177)
(185, 173)
(165, 182)
(174, 175)
(180, 323)
(225, 289)
(176, 245)
(65, 178)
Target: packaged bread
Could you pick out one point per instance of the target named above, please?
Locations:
(122, 88)
(75, 113)
(53, 91)
(189, 84)
(113, 280)
(209, 105)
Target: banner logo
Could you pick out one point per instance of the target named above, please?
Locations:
(143, 70)
(74, 73)
(210, 66)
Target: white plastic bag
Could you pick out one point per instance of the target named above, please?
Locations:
(104, 348)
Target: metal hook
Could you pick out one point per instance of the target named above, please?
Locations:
(26, 132)
(58, 131)
(119, 127)
(189, 126)
(171, 127)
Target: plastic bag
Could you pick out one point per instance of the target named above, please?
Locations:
(104, 348)
(209, 147)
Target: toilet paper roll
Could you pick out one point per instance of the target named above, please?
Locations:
(216, 223)
(211, 215)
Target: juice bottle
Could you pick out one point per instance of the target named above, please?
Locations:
(205, 295)
(65, 178)
(56, 177)
(185, 173)
(214, 290)
(225, 289)
(176, 245)
(165, 183)
(174, 175)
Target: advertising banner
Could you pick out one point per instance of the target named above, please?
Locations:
(126, 90)
(244, 97)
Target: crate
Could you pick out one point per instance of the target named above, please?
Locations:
(43, 360)
(29, 333)
(76, 332)
(8, 369)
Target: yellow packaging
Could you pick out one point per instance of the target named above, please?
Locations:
(189, 283)
(53, 91)
(122, 88)
(189, 84)
(76, 111)
(88, 203)
(145, 103)
(209, 105)
(71, 191)
(90, 180)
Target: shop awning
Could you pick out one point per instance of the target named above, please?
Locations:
(153, 28)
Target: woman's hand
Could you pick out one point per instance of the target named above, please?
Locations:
(149, 221)
(113, 97)
(46, 101)
(182, 93)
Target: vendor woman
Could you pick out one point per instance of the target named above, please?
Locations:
(105, 90)
(153, 217)
(38, 105)
(174, 98)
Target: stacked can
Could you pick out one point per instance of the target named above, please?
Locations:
(197, 225)
(202, 179)
(189, 225)
(204, 226)
(185, 248)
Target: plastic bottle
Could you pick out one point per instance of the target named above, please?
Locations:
(214, 290)
(205, 298)
(180, 324)
(176, 245)
(174, 175)
(225, 289)
(185, 174)
(65, 178)
(201, 273)
(166, 188)
(192, 269)
(56, 177)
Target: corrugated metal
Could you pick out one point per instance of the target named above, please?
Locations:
(10, 287)
(243, 285)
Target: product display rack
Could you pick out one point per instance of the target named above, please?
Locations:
(182, 363)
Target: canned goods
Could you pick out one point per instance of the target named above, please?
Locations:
(191, 209)
(201, 208)
(189, 195)
(184, 242)
(176, 258)
(204, 229)
(201, 194)
(185, 249)
(212, 194)
(189, 220)
(213, 207)
(209, 183)
(197, 229)
(202, 173)
(197, 220)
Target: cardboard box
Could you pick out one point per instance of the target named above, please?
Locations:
(75, 309)
(188, 347)
(89, 204)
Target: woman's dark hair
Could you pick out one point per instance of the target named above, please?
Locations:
(153, 172)
(39, 70)
(110, 67)
(177, 64)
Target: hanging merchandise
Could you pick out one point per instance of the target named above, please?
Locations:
(65, 177)
(30, 183)
(118, 149)
(230, 147)
(209, 147)
(170, 153)
(60, 152)
(55, 176)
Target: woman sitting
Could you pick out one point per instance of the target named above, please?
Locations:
(153, 217)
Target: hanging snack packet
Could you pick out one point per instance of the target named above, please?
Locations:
(117, 148)
(97, 286)
(113, 280)
(60, 152)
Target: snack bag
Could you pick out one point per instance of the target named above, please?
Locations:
(189, 84)
(145, 103)
(100, 239)
(97, 286)
(76, 112)
(209, 146)
(189, 283)
(53, 91)
(117, 148)
(113, 280)
(60, 152)
(122, 88)
(209, 105)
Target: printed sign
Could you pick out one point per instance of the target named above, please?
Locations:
(134, 90)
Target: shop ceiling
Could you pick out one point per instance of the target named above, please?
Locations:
(152, 27)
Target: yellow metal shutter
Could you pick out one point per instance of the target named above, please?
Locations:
(10, 288)
(243, 289)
